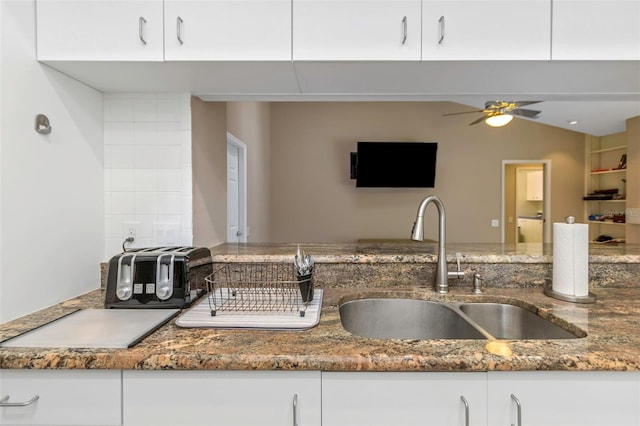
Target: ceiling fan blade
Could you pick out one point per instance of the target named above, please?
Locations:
(525, 103)
(464, 112)
(529, 113)
(478, 120)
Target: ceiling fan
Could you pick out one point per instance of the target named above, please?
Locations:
(499, 113)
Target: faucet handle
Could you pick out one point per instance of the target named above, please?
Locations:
(458, 273)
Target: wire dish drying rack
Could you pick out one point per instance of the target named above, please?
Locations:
(259, 287)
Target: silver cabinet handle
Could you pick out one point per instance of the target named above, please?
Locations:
(404, 30)
(441, 26)
(466, 410)
(179, 23)
(519, 410)
(141, 23)
(295, 409)
(4, 403)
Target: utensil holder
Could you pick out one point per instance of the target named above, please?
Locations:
(305, 282)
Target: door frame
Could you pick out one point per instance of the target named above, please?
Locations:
(546, 176)
(242, 185)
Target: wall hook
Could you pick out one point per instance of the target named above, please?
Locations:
(42, 124)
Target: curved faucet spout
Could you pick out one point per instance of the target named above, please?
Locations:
(441, 283)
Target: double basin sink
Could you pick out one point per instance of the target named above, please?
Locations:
(391, 318)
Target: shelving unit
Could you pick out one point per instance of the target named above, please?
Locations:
(603, 160)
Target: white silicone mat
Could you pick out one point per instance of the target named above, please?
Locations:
(199, 316)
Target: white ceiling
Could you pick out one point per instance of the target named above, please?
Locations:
(601, 95)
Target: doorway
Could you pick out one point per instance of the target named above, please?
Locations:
(236, 190)
(526, 201)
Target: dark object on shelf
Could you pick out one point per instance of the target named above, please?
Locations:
(623, 162)
(603, 238)
(598, 197)
(618, 218)
(606, 191)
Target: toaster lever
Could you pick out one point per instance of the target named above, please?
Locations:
(126, 270)
(164, 276)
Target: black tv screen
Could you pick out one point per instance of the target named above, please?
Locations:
(396, 164)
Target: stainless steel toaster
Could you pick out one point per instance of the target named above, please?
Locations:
(157, 277)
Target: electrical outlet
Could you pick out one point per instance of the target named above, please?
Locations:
(495, 223)
(131, 230)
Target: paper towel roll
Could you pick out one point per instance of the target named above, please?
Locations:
(571, 259)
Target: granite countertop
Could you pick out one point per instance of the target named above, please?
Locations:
(612, 341)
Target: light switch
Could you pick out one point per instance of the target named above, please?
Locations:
(495, 223)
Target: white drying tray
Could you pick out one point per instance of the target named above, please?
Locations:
(199, 316)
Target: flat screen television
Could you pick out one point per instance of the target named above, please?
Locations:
(395, 164)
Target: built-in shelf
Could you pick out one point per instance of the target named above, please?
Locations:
(600, 222)
(613, 148)
(606, 201)
(604, 172)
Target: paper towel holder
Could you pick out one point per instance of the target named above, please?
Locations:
(548, 291)
(590, 298)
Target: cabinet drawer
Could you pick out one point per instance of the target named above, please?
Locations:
(183, 398)
(66, 397)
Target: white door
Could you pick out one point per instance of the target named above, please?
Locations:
(486, 30)
(233, 194)
(100, 30)
(596, 30)
(227, 30)
(563, 398)
(403, 398)
(356, 30)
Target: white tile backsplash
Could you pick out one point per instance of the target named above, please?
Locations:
(147, 150)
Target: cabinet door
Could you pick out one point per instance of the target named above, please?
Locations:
(66, 397)
(486, 30)
(96, 30)
(534, 185)
(229, 398)
(596, 30)
(563, 398)
(357, 30)
(233, 30)
(381, 398)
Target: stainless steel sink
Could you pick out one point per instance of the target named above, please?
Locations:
(511, 322)
(404, 319)
(391, 318)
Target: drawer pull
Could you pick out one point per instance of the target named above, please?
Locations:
(519, 410)
(4, 403)
(295, 409)
(466, 410)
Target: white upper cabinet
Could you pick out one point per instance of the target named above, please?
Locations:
(596, 30)
(227, 30)
(486, 30)
(356, 30)
(100, 30)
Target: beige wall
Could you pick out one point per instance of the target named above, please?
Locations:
(313, 199)
(209, 162)
(250, 122)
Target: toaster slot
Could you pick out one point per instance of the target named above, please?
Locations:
(126, 271)
(164, 276)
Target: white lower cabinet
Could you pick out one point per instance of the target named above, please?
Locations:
(564, 398)
(64, 397)
(397, 399)
(229, 398)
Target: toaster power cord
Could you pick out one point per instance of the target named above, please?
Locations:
(127, 240)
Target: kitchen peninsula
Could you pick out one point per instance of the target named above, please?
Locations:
(513, 274)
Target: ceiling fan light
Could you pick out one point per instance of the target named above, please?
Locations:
(499, 120)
